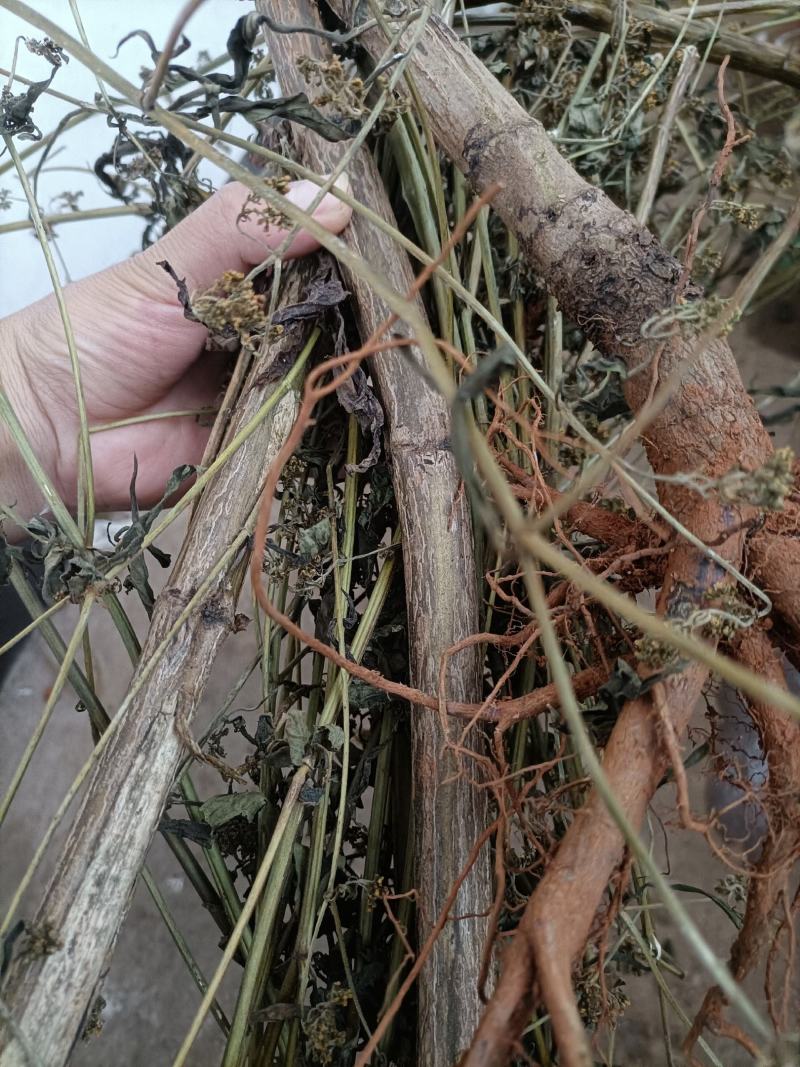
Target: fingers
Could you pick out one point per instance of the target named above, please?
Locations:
(134, 340)
(214, 238)
(254, 241)
(161, 445)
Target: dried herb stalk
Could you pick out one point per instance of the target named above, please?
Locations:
(88, 895)
(441, 591)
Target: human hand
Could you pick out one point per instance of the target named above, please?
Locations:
(138, 355)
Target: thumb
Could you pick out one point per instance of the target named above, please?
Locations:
(215, 238)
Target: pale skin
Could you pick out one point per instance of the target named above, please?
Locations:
(138, 355)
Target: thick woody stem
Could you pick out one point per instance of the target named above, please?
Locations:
(608, 273)
(757, 57)
(441, 593)
(611, 276)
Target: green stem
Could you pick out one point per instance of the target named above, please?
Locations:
(288, 820)
(85, 476)
(183, 947)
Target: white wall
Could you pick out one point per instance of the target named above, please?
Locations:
(89, 246)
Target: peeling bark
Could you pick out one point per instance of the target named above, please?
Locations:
(89, 893)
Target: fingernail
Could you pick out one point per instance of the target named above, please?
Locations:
(304, 192)
(332, 212)
(342, 182)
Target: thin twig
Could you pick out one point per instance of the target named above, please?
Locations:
(186, 12)
(663, 131)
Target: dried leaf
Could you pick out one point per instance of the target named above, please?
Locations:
(297, 734)
(183, 44)
(623, 685)
(357, 398)
(139, 579)
(366, 697)
(330, 737)
(189, 829)
(240, 48)
(240, 44)
(174, 195)
(216, 811)
(323, 293)
(129, 539)
(323, 296)
(297, 108)
(17, 110)
(732, 914)
(183, 291)
(67, 569)
(315, 539)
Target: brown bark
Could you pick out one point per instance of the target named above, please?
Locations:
(773, 562)
(610, 275)
(441, 591)
(89, 893)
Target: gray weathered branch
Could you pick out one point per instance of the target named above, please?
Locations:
(90, 890)
(756, 57)
(745, 53)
